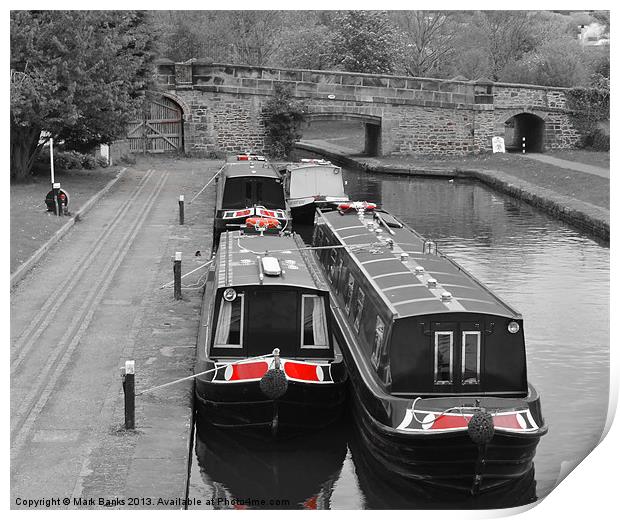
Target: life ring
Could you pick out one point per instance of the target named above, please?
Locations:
(262, 222)
(345, 207)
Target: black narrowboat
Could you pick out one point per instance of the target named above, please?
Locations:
(267, 355)
(248, 187)
(310, 184)
(436, 361)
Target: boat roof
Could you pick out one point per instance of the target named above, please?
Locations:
(401, 286)
(238, 257)
(249, 169)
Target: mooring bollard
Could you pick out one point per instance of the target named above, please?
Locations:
(176, 270)
(129, 388)
(181, 209)
(523, 145)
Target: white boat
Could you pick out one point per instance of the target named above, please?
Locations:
(313, 183)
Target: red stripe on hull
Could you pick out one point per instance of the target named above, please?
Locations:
(248, 371)
(301, 371)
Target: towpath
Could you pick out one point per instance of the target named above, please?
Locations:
(93, 302)
(569, 165)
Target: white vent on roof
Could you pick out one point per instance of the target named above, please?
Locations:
(271, 266)
(419, 269)
(431, 283)
(446, 297)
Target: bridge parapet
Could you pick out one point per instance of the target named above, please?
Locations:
(402, 115)
(344, 86)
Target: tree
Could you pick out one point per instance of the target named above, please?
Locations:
(558, 63)
(364, 41)
(428, 39)
(283, 117)
(76, 75)
(254, 35)
(509, 35)
(305, 48)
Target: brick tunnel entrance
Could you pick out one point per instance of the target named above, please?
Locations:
(528, 126)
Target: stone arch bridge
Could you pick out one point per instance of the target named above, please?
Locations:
(221, 105)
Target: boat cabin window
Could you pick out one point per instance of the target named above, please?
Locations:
(348, 295)
(243, 192)
(378, 342)
(332, 265)
(443, 357)
(314, 326)
(230, 323)
(357, 310)
(470, 358)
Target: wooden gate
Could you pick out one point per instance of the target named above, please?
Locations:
(161, 128)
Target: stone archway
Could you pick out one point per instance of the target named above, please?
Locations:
(372, 127)
(525, 128)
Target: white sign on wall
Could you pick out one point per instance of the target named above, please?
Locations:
(498, 145)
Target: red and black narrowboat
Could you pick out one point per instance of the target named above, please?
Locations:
(248, 187)
(267, 353)
(310, 184)
(436, 361)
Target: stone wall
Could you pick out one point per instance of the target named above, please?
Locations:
(223, 107)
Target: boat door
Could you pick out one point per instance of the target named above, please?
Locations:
(457, 356)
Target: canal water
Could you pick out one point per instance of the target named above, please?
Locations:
(556, 276)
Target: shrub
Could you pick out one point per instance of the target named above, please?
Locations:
(88, 162)
(128, 158)
(589, 107)
(283, 117)
(72, 160)
(67, 160)
(102, 162)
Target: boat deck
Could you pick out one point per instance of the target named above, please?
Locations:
(404, 284)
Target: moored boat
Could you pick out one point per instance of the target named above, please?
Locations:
(267, 354)
(310, 184)
(436, 361)
(248, 187)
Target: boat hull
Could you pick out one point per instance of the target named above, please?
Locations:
(303, 214)
(385, 489)
(446, 460)
(242, 406)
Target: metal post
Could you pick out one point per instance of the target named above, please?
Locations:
(57, 203)
(129, 387)
(523, 145)
(181, 209)
(52, 160)
(176, 269)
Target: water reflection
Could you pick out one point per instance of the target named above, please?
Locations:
(557, 277)
(384, 490)
(243, 472)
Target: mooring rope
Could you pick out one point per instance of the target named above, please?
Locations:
(308, 248)
(168, 284)
(441, 414)
(244, 360)
(205, 186)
